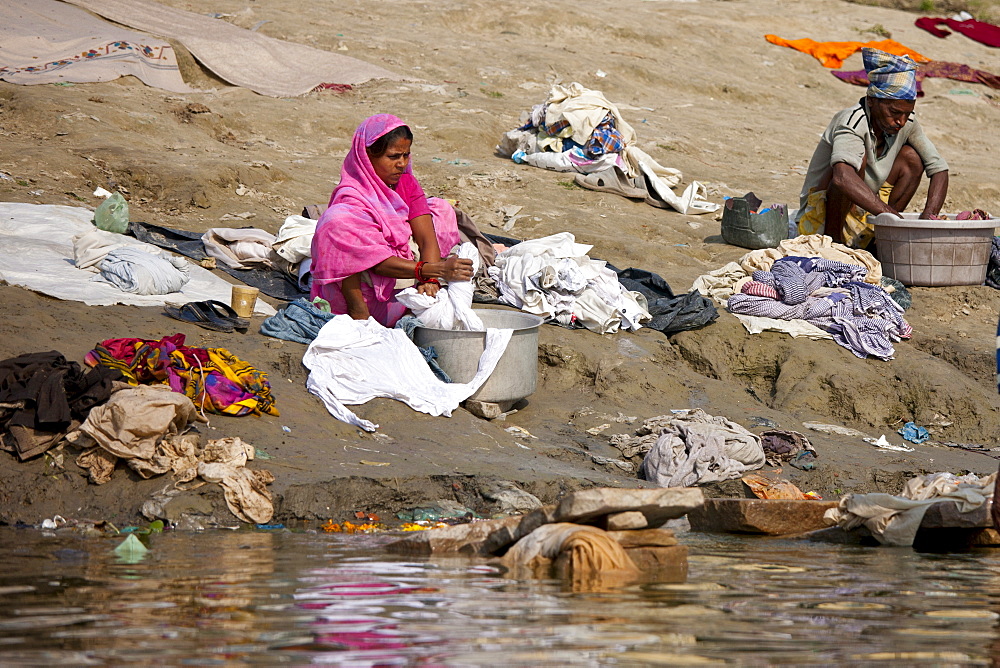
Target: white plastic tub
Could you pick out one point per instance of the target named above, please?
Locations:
(516, 375)
(934, 252)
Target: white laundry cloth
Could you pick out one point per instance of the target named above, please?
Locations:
(894, 520)
(572, 160)
(91, 247)
(584, 109)
(141, 273)
(554, 278)
(451, 307)
(354, 361)
(238, 248)
(294, 240)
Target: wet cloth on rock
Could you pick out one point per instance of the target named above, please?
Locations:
(42, 395)
(215, 379)
(696, 448)
(581, 549)
(224, 461)
(354, 361)
(553, 277)
(895, 520)
(239, 248)
(38, 255)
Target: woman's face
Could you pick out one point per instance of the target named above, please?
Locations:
(390, 165)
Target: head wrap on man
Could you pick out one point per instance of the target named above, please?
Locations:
(889, 76)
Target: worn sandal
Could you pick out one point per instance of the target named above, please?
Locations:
(225, 312)
(612, 181)
(201, 314)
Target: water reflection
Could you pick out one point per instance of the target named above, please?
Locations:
(252, 597)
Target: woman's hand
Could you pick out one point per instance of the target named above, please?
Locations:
(429, 289)
(451, 268)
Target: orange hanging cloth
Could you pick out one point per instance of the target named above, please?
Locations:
(833, 54)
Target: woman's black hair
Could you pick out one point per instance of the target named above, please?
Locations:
(381, 145)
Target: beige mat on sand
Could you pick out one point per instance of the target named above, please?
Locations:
(244, 58)
(45, 41)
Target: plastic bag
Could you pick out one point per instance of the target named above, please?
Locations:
(112, 214)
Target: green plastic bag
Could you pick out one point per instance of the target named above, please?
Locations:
(112, 214)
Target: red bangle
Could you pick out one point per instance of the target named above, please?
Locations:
(416, 272)
(431, 280)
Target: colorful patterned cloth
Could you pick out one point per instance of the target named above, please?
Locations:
(213, 378)
(605, 139)
(890, 77)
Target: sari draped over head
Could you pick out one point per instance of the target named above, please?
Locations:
(367, 221)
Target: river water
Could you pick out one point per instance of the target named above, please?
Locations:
(254, 597)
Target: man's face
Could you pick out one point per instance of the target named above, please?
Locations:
(891, 115)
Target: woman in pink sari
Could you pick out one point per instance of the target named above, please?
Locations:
(381, 233)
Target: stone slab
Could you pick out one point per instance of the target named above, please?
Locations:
(629, 520)
(945, 515)
(645, 538)
(773, 517)
(661, 564)
(657, 505)
(485, 538)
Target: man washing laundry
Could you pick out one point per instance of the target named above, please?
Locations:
(871, 158)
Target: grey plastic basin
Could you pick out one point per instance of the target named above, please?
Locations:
(934, 252)
(516, 375)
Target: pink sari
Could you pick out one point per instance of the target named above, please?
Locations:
(366, 223)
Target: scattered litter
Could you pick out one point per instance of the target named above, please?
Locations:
(258, 25)
(594, 431)
(270, 527)
(914, 433)
(600, 73)
(131, 550)
(238, 216)
(884, 444)
(260, 454)
(54, 523)
(287, 430)
(369, 463)
(758, 421)
(510, 214)
(520, 432)
(460, 162)
(835, 429)
(4, 176)
(36, 193)
(765, 487)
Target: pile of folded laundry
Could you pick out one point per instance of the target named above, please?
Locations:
(578, 130)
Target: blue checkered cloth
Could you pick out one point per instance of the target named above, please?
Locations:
(889, 76)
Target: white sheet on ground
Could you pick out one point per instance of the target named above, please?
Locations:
(37, 253)
(894, 520)
(242, 57)
(44, 41)
(354, 361)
